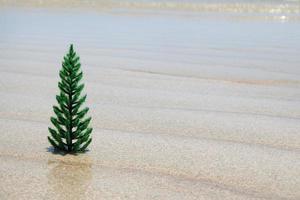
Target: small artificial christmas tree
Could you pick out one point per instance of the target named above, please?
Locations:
(72, 133)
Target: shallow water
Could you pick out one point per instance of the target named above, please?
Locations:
(172, 44)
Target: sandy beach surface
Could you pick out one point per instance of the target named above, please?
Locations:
(185, 104)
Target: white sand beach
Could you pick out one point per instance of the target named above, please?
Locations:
(185, 103)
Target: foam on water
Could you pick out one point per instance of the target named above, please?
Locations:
(234, 6)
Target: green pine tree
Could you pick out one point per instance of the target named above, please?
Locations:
(72, 132)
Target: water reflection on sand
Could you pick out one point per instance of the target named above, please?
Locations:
(69, 178)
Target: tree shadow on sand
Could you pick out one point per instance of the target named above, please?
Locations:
(59, 152)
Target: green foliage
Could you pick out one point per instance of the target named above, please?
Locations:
(72, 132)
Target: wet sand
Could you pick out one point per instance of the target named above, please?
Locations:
(183, 107)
